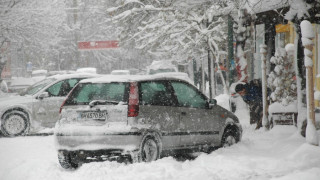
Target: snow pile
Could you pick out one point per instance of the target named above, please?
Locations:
(307, 36)
(298, 8)
(223, 101)
(279, 108)
(278, 154)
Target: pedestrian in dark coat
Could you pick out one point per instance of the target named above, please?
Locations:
(251, 93)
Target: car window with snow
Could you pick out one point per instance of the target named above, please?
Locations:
(155, 93)
(188, 96)
(38, 86)
(84, 93)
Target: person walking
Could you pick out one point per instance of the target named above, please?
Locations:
(251, 93)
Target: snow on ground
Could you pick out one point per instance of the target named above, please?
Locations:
(278, 154)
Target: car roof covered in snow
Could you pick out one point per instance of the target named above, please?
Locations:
(130, 78)
(67, 76)
(87, 70)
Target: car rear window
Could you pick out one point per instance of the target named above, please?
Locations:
(84, 93)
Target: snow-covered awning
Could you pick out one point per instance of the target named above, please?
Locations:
(258, 6)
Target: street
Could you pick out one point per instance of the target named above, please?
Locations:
(280, 153)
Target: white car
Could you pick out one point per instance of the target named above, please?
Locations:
(164, 66)
(120, 72)
(38, 106)
(139, 119)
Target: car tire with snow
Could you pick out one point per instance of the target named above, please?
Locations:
(149, 150)
(229, 138)
(65, 160)
(14, 123)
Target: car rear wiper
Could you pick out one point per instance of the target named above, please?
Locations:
(102, 102)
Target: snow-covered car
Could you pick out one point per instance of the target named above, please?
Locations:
(180, 75)
(37, 106)
(161, 67)
(87, 70)
(40, 72)
(19, 84)
(120, 72)
(139, 118)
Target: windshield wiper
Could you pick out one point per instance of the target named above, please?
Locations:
(102, 102)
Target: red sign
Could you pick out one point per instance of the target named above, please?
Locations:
(96, 45)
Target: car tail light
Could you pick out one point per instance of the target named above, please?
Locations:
(62, 105)
(65, 100)
(133, 104)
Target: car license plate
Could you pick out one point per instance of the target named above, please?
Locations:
(100, 115)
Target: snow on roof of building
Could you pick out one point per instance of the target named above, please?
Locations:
(258, 6)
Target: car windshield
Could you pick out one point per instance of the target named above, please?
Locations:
(85, 93)
(37, 87)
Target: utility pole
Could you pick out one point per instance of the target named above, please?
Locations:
(230, 51)
(307, 42)
(263, 51)
(76, 38)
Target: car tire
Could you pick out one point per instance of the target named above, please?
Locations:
(149, 149)
(65, 160)
(229, 138)
(15, 123)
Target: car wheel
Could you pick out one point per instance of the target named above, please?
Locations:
(229, 138)
(65, 160)
(149, 149)
(15, 123)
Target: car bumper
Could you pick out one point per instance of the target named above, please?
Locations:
(124, 142)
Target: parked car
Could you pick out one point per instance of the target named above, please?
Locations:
(37, 106)
(40, 72)
(87, 70)
(180, 75)
(120, 72)
(139, 118)
(19, 84)
(161, 67)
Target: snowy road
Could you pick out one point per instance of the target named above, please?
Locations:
(277, 154)
(280, 153)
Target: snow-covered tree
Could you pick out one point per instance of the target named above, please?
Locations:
(173, 30)
(281, 79)
(32, 25)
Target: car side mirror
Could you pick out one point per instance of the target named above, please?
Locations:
(43, 95)
(212, 102)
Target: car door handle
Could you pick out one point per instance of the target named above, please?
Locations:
(183, 113)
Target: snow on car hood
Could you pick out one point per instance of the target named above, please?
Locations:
(15, 101)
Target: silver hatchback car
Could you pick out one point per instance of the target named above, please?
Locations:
(140, 118)
(37, 107)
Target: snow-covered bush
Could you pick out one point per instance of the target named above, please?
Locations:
(282, 79)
